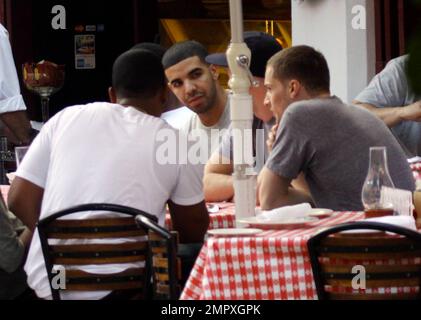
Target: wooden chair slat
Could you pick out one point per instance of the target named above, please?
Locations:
(358, 296)
(122, 247)
(347, 268)
(371, 284)
(371, 256)
(162, 288)
(104, 235)
(82, 274)
(107, 222)
(98, 261)
(158, 250)
(355, 241)
(105, 287)
(161, 263)
(162, 277)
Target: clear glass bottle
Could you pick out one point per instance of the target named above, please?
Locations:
(378, 177)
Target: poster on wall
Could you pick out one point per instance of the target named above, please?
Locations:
(85, 52)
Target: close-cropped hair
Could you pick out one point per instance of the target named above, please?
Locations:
(138, 73)
(182, 51)
(151, 46)
(302, 63)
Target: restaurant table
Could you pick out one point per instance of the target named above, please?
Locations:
(273, 265)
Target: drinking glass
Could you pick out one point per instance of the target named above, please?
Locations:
(19, 154)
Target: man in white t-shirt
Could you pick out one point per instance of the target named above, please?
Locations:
(196, 84)
(107, 153)
(12, 106)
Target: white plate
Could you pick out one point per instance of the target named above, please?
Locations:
(212, 208)
(234, 232)
(290, 223)
(320, 213)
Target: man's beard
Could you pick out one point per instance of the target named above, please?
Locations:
(210, 102)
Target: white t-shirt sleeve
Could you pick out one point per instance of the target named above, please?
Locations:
(189, 187)
(180, 180)
(10, 98)
(35, 164)
(389, 88)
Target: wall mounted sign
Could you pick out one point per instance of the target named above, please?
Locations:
(85, 55)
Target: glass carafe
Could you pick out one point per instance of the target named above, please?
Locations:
(378, 177)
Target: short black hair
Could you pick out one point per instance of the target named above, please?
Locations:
(152, 47)
(138, 73)
(182, 51)
(304, 64)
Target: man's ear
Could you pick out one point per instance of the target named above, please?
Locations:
(294, 88)
(165, 92)
(214, 70)
(112, 95)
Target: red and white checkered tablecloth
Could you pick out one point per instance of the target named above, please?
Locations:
(274, 265)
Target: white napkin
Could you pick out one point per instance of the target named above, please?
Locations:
(401, 221)
(289, 212)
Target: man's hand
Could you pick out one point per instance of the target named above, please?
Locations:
(412, 112)
(272, 137)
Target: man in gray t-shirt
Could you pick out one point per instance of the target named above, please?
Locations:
(330, 141)
(321, 137)
(12, 256)
(389, 97)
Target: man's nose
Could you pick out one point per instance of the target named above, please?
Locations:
(266, 101)
(190, 87)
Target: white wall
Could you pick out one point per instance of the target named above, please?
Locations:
(327, 26)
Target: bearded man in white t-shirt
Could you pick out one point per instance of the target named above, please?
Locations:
(107, 153)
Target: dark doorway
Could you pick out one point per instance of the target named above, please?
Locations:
(116, 26)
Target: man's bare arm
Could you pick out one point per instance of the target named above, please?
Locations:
(275, 191)
(24, 200)
(218, 182)
(191, 222)
(393, 116)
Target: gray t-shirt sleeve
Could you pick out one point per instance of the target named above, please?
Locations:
(389, 88)
(11, 248)
(292, 149)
